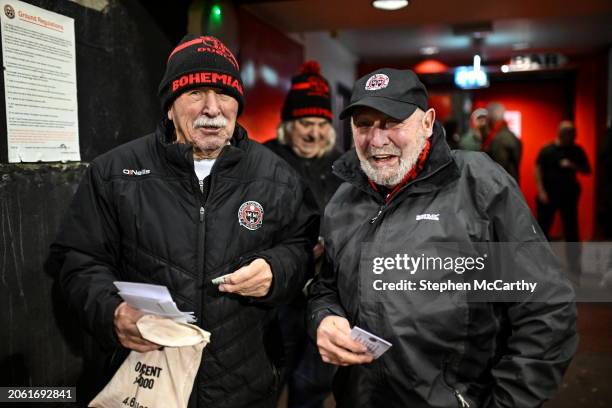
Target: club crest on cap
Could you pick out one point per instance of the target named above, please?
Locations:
(376, 82)
(250, 215)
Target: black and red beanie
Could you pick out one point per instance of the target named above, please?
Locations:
(201, 61)
(309, 94)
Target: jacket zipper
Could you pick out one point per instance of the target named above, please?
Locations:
(462, 401)
(382, 207)
(200, 269)
(201, 233)
(380, 210)
(201, 250)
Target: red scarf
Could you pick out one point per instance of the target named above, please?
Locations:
(491, 135)
(411, 175)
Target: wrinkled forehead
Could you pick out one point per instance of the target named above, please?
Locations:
(367, 113)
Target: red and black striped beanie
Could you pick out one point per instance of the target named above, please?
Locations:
(309, 94)
(201, 61)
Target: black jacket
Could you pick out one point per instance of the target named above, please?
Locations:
(507, 150)
(444, 348)
(317, 171)
(139, 215)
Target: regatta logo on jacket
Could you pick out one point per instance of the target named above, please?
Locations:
(130, 172)
(433, 217)
(250, 215)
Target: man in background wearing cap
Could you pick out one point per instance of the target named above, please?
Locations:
(501, 144)
(305, 139)
(472, 139)
(407, 191)
(195, 201)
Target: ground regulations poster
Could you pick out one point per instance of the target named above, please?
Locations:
(39, 60)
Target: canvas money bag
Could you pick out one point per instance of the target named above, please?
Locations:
(161, 378)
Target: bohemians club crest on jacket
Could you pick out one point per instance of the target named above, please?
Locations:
(250, 215)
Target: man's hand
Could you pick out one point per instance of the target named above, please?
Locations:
(127, 331)
(254, 279)
(318, 250)
(336, 345)
(567, 164)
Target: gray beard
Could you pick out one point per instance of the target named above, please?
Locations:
(405, 165)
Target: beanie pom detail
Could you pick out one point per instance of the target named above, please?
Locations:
(310, 68)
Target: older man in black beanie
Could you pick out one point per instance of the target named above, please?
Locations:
(194, 203)
(305, 139)
(407, 199)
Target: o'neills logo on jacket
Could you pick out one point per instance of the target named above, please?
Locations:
(207, 78)
(130, 172)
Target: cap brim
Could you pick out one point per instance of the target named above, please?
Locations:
(395, 109)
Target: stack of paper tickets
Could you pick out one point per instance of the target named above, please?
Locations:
(152, 299)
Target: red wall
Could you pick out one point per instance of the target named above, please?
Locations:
(590, 117)
(442, 104)
(542, 105)
(264, 46)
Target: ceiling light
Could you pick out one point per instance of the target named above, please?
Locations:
(430, 66)
(477, 62)
(389, 4)
(430, 50)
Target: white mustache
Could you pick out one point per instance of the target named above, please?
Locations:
(205, 122)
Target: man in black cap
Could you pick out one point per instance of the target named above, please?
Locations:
(406, 191)
(194, 202)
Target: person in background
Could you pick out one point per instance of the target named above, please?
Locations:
(306, 140)
(558, 188)
(472, 139)
(501, 144)
(305, 137)
(195, 201)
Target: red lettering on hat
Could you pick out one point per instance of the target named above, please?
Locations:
(236, 84)
(219, 77)
(301, 112)
(194, 78)
(210, 44)
(208, 78)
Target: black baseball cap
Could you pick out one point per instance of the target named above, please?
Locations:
(394, 92)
